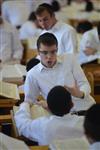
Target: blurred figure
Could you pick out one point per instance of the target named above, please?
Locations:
(92, 126)
(16, 12)
(55, 5)
(90, 46)
(11, 49)
(89, 6)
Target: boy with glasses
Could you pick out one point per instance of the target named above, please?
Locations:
(52, 70)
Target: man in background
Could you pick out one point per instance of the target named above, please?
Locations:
(64, 33)
(92, 126)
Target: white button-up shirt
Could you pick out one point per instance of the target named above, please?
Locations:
(65, 72)
(47, 128)
(95, 146)
(89, 39)
(10, 45)
(66, 36)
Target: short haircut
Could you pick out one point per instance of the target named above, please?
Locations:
(47, 39)
(84, 26)
(92, 122)
(55, 5)
(59, 101)
(89, 6)
(32, 16)
(41, 8)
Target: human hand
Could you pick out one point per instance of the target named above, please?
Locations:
(42, 103)
(75, 91)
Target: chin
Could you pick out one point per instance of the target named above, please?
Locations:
(49, 66)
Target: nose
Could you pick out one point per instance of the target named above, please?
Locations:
(49, 56)
(42, 23)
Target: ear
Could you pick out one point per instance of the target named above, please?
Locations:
(71, 104)
(88, 136)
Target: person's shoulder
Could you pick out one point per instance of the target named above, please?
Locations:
(27, 25)
(90, 31)
(35, 69)
(65, 25)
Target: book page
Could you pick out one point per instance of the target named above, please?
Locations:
(21, 69)
(9, 90)
(9, 143)
(71, 144)
(38, 111)
(13, 72)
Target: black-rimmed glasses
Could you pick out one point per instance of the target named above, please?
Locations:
(53, 52)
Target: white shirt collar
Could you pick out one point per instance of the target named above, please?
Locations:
(95, 146)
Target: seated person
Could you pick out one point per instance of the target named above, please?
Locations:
(92, 126)
(59, 124)
(56, 70)
(11, 49)
(90, 46)
(16, 12)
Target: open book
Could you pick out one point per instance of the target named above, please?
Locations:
(9, 143)
(9, 90)
(13, 72)
(36, 111)
(70, 144)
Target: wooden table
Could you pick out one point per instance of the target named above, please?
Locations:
(5, 118)
(39, 147)
(7, 102)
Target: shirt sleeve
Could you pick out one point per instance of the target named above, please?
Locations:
(71, 44)
(80, 77)
(25, 125)
(31, 88)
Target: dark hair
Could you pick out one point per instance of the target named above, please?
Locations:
(84, 26)
(32, 16)
(69, 2)
(41, 8)
(55, 5)
(31, 63)
(89, 6)
(59, 101)
(48, 39)
(92, 122)
(98, 28)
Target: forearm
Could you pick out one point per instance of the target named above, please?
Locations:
(23, 117)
